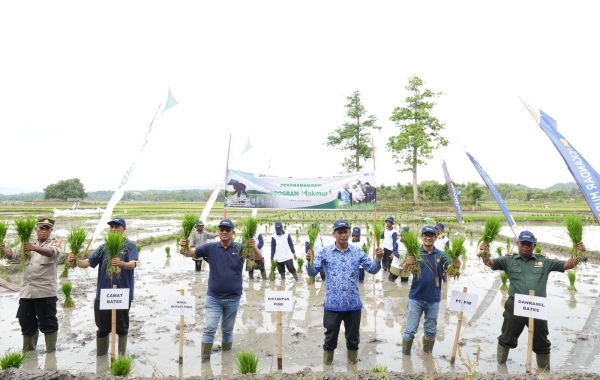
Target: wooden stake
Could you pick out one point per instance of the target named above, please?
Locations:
(530, 341)
(460, 319)
(113, 334)
(225, 182)
(279, 338)
(181, 324)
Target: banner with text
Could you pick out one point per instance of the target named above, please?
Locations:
(249, 190)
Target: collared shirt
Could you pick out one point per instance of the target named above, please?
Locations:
(197, 239)
(226, 266)
(126, 280)
(39, 280)
(527, 274)
(341, 270)
(423, 288)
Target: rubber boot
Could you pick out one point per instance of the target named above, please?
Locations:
(295, 276)
(327, 357)
(403, 279)
(51, 341)
(263, 274)
(352, 356)
(543, 361)
(406, 346)
(122, 347)
(35, 338)
(226, 346)
(205, 351)
(283, 276)
(428, 345)
(502, 354)
(251, 274)
(30, 342)
(102, 346)
(198, 265)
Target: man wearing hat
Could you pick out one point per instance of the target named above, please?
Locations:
(37, 298)
(198, 238)
(526, 272)
(390, 240)
(224, 285)
(399, 253)
(127, 261)
(356, 241)
(425, 292)
(442, 242)
(342, 297)
(283, 251)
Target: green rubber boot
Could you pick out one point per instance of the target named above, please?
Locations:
(122, 344)
(543, 361)
(102, 346)
(406, 346)
(327, 357)
(502, 354)
(428, 345)
(205, 351)
(51, 341)
(30, 342)
(226, 346)
(352, 356)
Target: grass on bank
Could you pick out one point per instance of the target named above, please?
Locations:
(13, 359)
(121, 366)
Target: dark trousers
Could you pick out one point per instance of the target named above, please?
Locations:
(104, 320)
(333, 320)
(513, 326)
(34, 313)
(386, 262)
(258, 264)
(290, 267)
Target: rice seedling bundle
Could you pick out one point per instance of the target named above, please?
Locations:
(378, 228)
(504, 278)
(379, 368)
(247, 233)
(168, 251)
(457, 250)
(490, 231)
(272, 272)
(413, 244)
(113, 243)
(300, 264)
(538, 250)
(3, 231)
(508, 246)
(187, 226)
(575, 231)
(66, 288)
(13, 359)
(313, 234)
(139, 248)
(121, 366)
(365, 249)
(499, 251)
(76, 238)
(572, 277)
(247, 362)
(24, 228)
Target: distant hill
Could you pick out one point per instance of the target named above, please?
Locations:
(563, 186)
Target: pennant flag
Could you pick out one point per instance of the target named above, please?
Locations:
(452, 190)
(488, 181)
(171, 102)
(247, 147)
(584, 174)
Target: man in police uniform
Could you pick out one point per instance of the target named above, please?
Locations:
(37, 303)
(198, 238)
(526, 272)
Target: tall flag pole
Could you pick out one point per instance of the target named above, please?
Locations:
(585, 176)
(488, 181)
(375, 210)
(451, 189)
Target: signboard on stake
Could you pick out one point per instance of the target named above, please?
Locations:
(112, 299)
(182, 305)
(531, 306)
(278, 300)
(463, 302)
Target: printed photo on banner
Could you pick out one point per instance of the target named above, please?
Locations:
(343, 191)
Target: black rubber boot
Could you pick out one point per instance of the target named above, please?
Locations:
(295, 276)
(251, 275)
(403, 279)
(263, 274)
(198, 265)
(502, 354)
(406, 346)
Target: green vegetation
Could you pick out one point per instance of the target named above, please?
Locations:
(379, 368)
(66, 288)
(168, 251)
(246, 234)
(272, 272)
(575, 231)
(313, 233)
(503, 278)
(121, 366)
(378, 228)
(572, 277)
(413, 245)
(13, 359)
(456, 251)
(65, 189)
(3, 231)
(187, 226)
(75, 238)
(300, 264)
(490, 231)
(24, 228)
(113, 243)
(247, 362)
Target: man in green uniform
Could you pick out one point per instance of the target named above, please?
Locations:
(526, 272)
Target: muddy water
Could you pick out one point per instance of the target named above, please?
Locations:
(153, 339)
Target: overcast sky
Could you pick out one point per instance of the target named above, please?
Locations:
(81, 81)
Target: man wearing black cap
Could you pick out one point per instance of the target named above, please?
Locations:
(224, 285)
(442, 242)
(283, 251)
(198, 238)
(356, 241)
(37, 298)
(127, 261)
(526, 272)
(390, 243)
(342, 296)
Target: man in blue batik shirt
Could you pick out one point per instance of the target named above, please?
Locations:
(342, 296)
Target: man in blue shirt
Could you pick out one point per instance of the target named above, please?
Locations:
(127, 261)
(224, 285)
(424, 297)
(342, 296)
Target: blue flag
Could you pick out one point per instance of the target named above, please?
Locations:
(488, 181)
(584, 174)
(453, 193)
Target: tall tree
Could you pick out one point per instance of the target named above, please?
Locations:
(65, 189)
(419, 130)
(354, 136)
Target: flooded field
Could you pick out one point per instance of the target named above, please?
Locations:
(154, 335)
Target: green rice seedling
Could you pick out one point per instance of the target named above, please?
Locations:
(113, 243)
(378, 228)
(313, 234)
(187, 226)
(499, 251)
(246, 234)
(121, 366)
(24, 228)
(272, 271)
(3, 231)
(13, 359)
(413, 245)
(504, 278)
(572, 277)
(247, 362)
(66, 288)
(508, 245)
(139, 248)
(365, 249)
(297, 235)
(490, 231)
(538, 250)
(76, 237)
(300, 264)
(168, 251)
(456, 251)
(379, 368)
(575, 230)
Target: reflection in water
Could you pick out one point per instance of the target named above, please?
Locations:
(168, 262)
(504, 298)
(572, 301)
(102, 364)
(50, 362)
(32, 361)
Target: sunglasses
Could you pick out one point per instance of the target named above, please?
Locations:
(225, 229)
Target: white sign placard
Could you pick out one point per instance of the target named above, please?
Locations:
(182, 305)
(114, 299)
(531, 306)
(278, 300)
(465, 302)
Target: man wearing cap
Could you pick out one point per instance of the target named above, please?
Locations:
(356, 242)
(283, 251)
(224, 285)
(342, 296)
(127, 261)
(399, 253)
(425, 292)
(526, 272)
(37, 298)
(390, 240)
(317, 248)
(198, 238)
(442, 242)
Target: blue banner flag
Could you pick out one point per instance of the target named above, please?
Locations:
(586, 177)
(453, 193)
(488, 181)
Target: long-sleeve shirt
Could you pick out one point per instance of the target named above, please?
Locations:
(127, 253)
(197, 239)
(423, 288)
(281, 251)
(390, 238)
(341, 270)
(39, 280)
